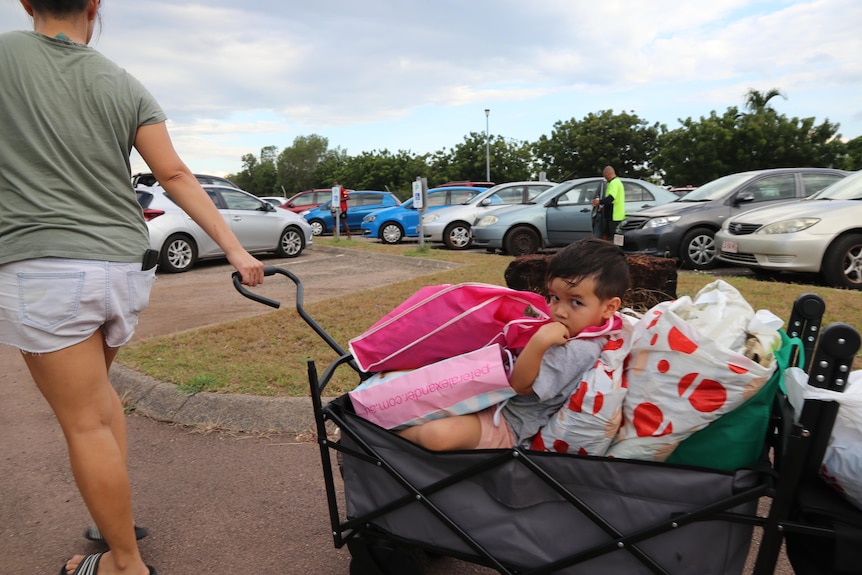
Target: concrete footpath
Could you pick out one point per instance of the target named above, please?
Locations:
(248, 502)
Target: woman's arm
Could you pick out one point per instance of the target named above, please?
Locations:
(530, 359)
(154, 144)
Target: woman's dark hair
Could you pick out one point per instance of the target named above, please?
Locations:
(59, 7)
(596, 258)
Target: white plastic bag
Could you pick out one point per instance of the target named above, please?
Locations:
(686, 369)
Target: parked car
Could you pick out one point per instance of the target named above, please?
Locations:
(686, 229)
(681, 191)
(391, 225)
(258, 225)
(451, 225)
(148, 179)
(276, 201)
(558, 216)
(308, 199)
(821, 234)
(360, 204)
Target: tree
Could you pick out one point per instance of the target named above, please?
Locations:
(700, 151)
(510, 160)
(298, 164)
(853, 154)
(583, 148)
(258, 176)
(383, 170)
(756, 101)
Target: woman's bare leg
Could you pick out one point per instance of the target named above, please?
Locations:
(75, 383)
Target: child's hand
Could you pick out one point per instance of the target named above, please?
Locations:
(553, 333)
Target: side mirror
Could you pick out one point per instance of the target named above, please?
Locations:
(743, 197)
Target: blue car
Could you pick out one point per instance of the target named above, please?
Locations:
(360, 204)
(391, 225)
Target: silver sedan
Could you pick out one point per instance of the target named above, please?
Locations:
(451, 225)
(258, 225)
(821, 234)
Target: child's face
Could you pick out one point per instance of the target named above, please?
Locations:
(578, 307)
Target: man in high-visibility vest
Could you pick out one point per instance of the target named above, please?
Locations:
(612, 207)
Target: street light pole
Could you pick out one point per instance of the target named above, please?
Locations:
(487, 148)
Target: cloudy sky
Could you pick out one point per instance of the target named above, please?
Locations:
(418, 75)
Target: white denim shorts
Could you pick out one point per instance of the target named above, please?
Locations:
(48, 304)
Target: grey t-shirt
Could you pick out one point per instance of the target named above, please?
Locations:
(560, 372)
(68, 117)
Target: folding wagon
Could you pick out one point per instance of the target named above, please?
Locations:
(527, 512)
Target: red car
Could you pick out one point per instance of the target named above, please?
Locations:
(308, 200)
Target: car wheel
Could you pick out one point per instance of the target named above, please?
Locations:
(391, 233)
(522, 241)
(698, 249)
(290, 244)
(179, 254)
(842, 264)
(457, 236)
(317, 227)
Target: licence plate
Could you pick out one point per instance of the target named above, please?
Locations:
(729, 246)
(619, 239)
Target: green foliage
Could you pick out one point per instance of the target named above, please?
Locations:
(853, 158)
(583, 148)
(384, 170)
(754, 137)
(700, 151)
(298, 163)
(510, 160)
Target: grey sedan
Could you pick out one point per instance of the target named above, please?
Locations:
(558, 216)
(686, 229)
(821, 234)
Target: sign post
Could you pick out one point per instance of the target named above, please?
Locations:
(420, 189)
(335, 209)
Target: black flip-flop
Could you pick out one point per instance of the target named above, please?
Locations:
(89, 565)
(93, 534)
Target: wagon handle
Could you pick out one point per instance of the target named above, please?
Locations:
(272, 270)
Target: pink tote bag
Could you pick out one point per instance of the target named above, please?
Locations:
(439, 322)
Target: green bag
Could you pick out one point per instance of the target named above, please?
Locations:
(735, 440)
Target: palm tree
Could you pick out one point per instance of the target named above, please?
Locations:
(756, 101)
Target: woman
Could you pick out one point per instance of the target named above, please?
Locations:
(73, 240)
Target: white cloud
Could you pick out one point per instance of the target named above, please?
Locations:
(416, 75)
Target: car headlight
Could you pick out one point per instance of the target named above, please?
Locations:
(488, 220)
(304, 213)
(428, 218)
(662, 221)
(788, 226)
(369, 218)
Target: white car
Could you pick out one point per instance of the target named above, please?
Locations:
(822, 233)
(258, 225)
(276, 201)
(451, 225)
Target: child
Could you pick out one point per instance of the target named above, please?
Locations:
(586, 281)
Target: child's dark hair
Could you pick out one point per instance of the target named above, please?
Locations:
(596, 258)
(59, 7)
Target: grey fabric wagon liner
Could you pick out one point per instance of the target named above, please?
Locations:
(532, 511)
(529, 512)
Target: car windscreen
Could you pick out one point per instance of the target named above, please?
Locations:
(716, 189)
(849, 188)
